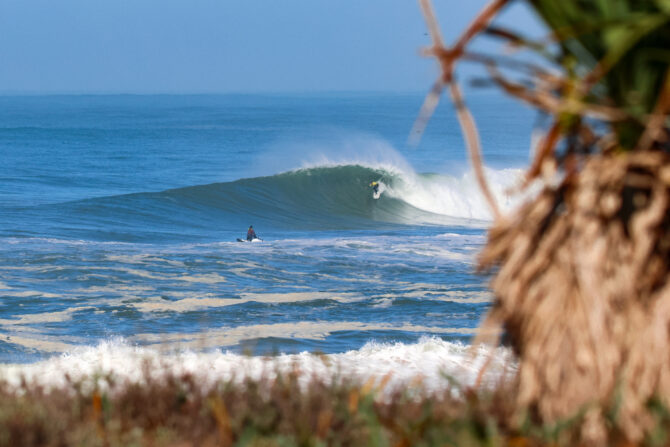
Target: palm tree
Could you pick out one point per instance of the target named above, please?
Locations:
(581, 270)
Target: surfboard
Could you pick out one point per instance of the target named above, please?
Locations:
(253, 240)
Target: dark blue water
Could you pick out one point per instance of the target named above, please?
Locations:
(120, 216)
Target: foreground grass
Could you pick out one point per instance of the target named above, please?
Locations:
(178, 411)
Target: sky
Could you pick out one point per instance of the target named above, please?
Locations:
(224, 46)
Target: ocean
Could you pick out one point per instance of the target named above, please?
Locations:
(120, 219)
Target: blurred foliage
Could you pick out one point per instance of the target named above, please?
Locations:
(624, 45)
(180, 411)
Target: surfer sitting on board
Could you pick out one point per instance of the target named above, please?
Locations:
(375, 187)
(251, 234)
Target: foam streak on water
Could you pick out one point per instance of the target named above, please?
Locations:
(326, 293)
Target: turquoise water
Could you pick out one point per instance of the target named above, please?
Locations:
(120, 216)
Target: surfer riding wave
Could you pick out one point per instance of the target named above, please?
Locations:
(377, 189)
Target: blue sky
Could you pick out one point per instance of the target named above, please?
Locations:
(223, 46)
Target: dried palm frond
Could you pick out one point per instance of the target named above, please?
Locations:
(583, 292)
(582, 270)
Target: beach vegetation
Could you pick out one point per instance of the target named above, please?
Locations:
(178, 410)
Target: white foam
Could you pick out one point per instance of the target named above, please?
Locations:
(456, 196)
(43, 317)
(424, 365)
(190, 303)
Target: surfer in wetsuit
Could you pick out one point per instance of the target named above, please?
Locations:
(375, 187)
(251, 234)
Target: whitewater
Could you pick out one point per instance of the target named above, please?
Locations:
(120, 220)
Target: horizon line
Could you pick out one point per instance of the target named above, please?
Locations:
(233, 93)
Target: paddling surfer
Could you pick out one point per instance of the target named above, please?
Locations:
(251, 234)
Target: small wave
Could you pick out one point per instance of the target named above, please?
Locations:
(425, 363)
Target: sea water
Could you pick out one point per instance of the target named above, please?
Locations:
(120, 219)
